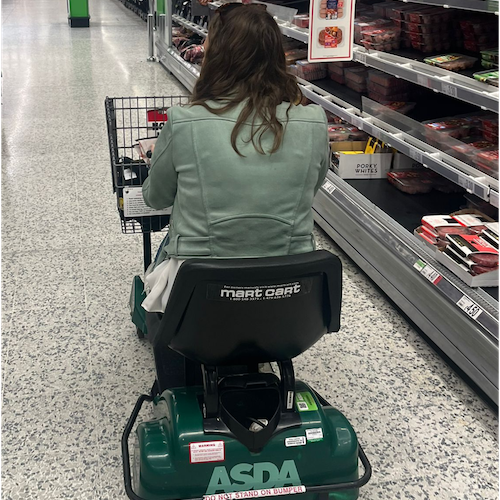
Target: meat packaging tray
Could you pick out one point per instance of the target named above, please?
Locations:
(452, 62)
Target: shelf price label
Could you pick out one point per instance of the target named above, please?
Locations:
(449, 89)
(416, 155)
(423, 81)
(361, 57)
(470, 307)
(466, 182)
(428, 271)
(328, 186)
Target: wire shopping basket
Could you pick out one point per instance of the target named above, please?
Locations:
(130, 120)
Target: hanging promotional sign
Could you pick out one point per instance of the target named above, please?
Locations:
(331, 29)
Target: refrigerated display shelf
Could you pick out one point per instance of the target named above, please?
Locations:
(408, 209)
(454, 170)
(490, 6)
(190, 25)
(462, 321)
(408, 67)
(462, 174)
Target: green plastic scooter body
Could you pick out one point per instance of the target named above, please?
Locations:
(173, 465)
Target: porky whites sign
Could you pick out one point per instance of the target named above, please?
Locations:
(331, 29)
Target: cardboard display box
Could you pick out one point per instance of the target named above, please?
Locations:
(352, 165)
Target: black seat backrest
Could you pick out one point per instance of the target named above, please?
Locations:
(238, 311)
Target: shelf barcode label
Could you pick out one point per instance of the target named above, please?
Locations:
(328, 186)
(424, 81)
(416, 155)
(466, 183)
(470, 307)
(361, 57)
(449, 89)
(428, 271)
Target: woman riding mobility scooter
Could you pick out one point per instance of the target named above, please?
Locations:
(243, 433)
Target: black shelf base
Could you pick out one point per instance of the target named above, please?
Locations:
(79, 22)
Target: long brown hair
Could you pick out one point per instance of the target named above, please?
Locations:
(245, 60)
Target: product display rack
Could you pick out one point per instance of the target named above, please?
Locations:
(473, 5)
(461, 321)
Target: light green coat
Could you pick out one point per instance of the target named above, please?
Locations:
(228, 206)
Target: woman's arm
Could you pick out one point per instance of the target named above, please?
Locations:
(160, 187)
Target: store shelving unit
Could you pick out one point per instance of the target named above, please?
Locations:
(462, 321)
(472, 5)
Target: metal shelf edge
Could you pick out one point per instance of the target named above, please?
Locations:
(488, 6)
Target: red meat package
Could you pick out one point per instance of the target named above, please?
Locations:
(443, 225)
(411, 181)
(474, 248)
(474, 222)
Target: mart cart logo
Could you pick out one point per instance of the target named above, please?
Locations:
(157, 118)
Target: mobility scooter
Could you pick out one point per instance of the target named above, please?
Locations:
(244, 432)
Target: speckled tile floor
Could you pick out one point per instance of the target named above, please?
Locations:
(72, 366)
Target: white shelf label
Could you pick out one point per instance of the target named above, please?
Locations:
(428, 271)
(466, 183)
(416, 155)
(470, 307)
(423, 81)
(357, 122)
(449, 89)
(328, 186)
(361, 57)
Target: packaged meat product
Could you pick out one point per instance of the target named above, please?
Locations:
(474, 248)
(337, 78)
(380, 35)
(335, 69)
(489, 123)
(443, 185)
(490, 136)
(426, 29)
(399, 12)
(489, 64)
(489, 76)
(382, 46)
(452, 62)
(356, 75)
(426, 237)
(399, 106)
(383, 99)
(309, 71)
(491, 55)
(384, 9)
(294, 55)
(475, 223)
(357, 87)
(489, 158)
(431, 46)
(477, 269)
(429, 15)
(440, 224)
(301, 20)
(409, 181)
(389, 92)
(429, 232)
(385, 80)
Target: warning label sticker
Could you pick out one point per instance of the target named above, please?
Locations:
(295, 441)
(271, 492)
(208, 451)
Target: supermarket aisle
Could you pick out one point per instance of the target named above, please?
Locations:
(71, 364)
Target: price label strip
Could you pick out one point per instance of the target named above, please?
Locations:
(450, 90)
(428, 271)
(328, 186)
(470, 307)
(416, 155)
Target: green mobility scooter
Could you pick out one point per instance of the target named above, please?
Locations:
(244, 432)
